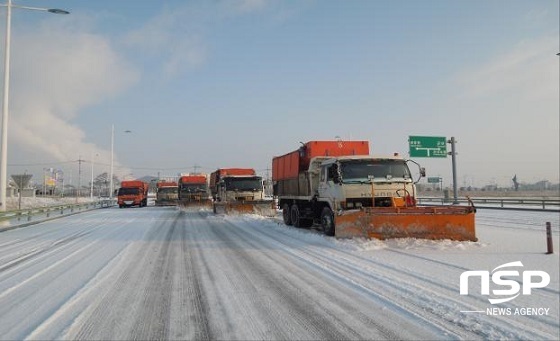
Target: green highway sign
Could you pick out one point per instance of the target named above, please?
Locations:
(427, 146)
(434, 180)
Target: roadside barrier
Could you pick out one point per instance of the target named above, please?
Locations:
(501, 203)
(47, 212)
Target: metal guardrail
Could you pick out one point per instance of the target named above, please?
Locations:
(49, 211)
(502, 203)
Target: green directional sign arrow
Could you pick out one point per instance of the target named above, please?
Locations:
(434, 180)
(427, 146)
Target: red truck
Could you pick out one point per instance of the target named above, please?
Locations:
(193, 190)
(133, 193)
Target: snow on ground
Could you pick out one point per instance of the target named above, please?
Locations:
(436, 266)
(13, 203)
(158, 272)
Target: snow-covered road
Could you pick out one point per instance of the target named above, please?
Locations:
(161, 273)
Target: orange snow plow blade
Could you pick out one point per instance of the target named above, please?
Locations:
(430, 222)
(196, 203)
(264, 208)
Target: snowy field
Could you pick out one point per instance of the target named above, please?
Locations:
(161, 273)
(25, 203)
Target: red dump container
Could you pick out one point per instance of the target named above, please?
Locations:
(161, 184)
(285, 166)
(289, 165)
(236, 171)
(133, 183)
(334, 148)
(192, 179)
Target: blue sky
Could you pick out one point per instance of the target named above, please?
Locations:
(234, 83)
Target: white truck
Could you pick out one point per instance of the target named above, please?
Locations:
(239, 190)
(338, 185)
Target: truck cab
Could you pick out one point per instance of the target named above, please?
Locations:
(132, 193)
(166, 193)
(351, 182)
(240, 188)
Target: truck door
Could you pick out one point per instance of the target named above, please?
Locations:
(323, 181)
(329, 184)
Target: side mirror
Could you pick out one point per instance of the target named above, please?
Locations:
(336, 179)
(334, 174)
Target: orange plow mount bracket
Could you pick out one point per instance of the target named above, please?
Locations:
(441, 222)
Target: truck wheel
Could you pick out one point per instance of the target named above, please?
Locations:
(286, 214)
(296, 220)
(327, 221)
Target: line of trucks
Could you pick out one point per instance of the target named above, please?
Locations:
(334, 185)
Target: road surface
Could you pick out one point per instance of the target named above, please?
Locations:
(163, 273)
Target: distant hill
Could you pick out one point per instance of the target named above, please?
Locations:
(148, 178)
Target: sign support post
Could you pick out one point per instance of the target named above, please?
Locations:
(433, 147)
(454, 164)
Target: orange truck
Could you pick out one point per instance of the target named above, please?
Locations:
(350, 193)
(133, 193)
(193, 190)
(166, 193)
(239, 190)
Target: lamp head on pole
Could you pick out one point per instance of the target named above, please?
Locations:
(57, 11)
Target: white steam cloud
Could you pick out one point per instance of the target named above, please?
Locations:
(56, 71)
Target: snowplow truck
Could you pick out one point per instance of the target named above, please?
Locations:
(193, 191)
(132, 193)
(350, 193)
(239, 190)
(166, 193)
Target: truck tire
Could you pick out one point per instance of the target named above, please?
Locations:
(327, 221)
(297, 220)
(286, 214)
(294, 214)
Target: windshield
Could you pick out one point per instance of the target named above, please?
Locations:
(243, 184)
(167, 190)
(194, 188)
(363, 170)
(128, 191)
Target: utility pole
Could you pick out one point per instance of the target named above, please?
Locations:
(79, 176)
(267, 173)
(91, 186)
(268, 183)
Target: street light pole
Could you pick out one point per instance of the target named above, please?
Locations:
(112, 155)
(4, 140)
